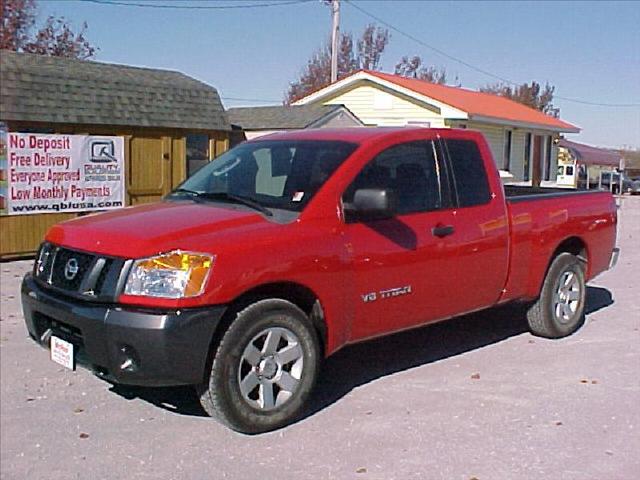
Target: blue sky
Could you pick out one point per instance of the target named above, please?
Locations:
(589, 51)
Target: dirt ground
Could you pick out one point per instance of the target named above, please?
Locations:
(477, 397)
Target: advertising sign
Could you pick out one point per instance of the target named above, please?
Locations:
(44, 173)
(3, 169)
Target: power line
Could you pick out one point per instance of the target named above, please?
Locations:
(151, 4)
(473, 67)
(597, 104)
(424, 44)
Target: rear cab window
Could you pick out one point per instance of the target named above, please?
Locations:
(469, 177)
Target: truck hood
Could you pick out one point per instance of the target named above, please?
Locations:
(144, 230)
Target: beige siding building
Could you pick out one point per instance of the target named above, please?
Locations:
(523, 140)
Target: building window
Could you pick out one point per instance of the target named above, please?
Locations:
(547, 161)
(197, 152)
(527, 157)
(506, 159)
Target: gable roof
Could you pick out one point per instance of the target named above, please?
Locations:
(477, 105)
(37, 88)
(281, 117)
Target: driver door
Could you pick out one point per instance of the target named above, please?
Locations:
(401, 264)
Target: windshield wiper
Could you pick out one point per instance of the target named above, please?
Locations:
(185, 190)
(224, 196)
(230, 197)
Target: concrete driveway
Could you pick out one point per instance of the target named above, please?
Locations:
(472, 398)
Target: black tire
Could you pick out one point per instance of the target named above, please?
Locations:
(258, 411)
(543, 317)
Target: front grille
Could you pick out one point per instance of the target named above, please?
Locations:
(70, 269)
(79, 273)
(103, 274)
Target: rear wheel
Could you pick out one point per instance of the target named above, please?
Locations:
(560, 309)
(264, 368)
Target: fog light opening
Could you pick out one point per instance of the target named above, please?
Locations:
(128, 359)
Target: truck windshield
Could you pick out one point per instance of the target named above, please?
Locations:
(276, 174)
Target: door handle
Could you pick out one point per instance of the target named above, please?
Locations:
(442, 230)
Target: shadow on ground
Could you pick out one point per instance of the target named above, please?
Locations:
(364, 362)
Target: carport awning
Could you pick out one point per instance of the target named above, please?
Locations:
(588, 155)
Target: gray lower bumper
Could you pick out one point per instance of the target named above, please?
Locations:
(125, 345)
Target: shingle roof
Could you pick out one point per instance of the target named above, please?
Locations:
(62, 90)
(279, 117)
(477, 103)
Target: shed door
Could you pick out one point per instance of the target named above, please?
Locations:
(149, 169)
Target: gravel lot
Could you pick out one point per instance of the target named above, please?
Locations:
(476, 397)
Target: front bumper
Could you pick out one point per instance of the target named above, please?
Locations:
(123, 344)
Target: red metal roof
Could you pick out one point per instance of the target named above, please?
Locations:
(476, 103)
(588, 155)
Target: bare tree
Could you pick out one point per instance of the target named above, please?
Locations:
(317, 73)
(413, 67)
(371, 45)
(533, 95)
(54, 38)
(18, 18)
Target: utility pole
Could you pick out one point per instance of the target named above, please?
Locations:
(335, 38)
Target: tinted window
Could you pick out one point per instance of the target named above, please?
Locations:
(277, 174)
(469, 175)
(410, 170)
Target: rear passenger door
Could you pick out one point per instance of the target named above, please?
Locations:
(479, 219)
(402, 265)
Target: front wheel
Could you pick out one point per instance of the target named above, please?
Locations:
(560, 309)
(264, 368)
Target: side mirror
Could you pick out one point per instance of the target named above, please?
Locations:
(373, 204)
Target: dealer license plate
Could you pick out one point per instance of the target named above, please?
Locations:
(62, 352)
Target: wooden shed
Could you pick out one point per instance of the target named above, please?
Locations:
(171, 124)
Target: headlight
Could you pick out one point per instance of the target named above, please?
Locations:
(175, 274)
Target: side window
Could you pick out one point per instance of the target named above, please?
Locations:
(470, 177)
(410, 170)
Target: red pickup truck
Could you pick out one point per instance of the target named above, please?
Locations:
(286, 248)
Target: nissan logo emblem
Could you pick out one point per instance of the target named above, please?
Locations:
(71, 269)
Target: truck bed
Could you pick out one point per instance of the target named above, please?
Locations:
(542, 218)
(520, 193)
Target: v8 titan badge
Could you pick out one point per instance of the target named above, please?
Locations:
(384, 294)
(62, 352)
